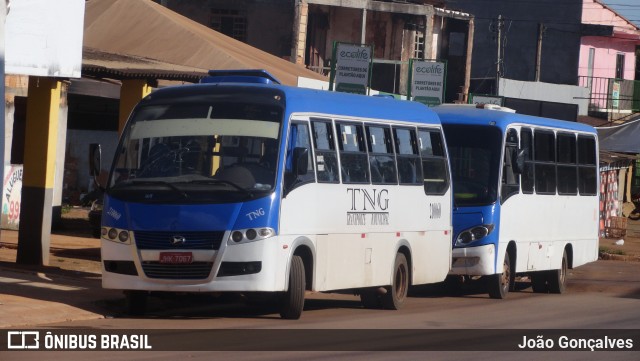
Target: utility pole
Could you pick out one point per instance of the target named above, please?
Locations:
(499, 55)
(541, 30)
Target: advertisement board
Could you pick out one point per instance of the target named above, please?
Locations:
(350, 68)
(11, 196)
(44, 38)
(427, 81)
(486, 99)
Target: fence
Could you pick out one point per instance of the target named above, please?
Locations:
(607, 95)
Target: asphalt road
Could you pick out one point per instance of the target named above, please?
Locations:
(603, 297)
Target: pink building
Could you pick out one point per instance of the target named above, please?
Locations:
(609, 47)
(608, 56)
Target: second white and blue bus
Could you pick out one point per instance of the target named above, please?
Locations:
(525, 197)
(244, 185)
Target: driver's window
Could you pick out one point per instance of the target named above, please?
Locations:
(299, 137)
(510, 177)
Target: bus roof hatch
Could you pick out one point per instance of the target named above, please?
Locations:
(240, 76)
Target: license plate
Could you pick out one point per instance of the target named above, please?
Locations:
(176, 257)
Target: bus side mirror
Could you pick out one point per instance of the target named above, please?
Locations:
(95, 162)
(518, 164)
(300, 160)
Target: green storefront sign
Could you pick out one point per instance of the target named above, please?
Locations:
(427, 81)
(351, 68)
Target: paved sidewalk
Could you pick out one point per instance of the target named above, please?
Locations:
(68, 289)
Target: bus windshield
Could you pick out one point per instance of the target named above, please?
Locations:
(197, 152)
(474, 152)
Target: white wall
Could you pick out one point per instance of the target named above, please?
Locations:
(569, 94)
(78, 146)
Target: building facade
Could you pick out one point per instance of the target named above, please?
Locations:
(608, 60)
(304, 31)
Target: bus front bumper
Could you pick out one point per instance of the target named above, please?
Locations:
(473, 261)
(257, 266)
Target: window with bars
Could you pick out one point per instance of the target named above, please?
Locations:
(232, 23)
(418, 50)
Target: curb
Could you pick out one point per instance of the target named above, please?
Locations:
(618, 257)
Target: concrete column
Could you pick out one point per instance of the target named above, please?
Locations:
(363, 30)
(3, 135)
(131, 92)
(41, 136)
(300, 26)
(63, 110)
(428, 38)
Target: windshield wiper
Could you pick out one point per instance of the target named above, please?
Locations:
(220, 181)
(182, 193)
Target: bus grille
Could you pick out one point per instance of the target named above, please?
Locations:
(191, 271)
(193, 240)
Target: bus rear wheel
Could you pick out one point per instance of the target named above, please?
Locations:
(292, 302)
(558, 277)
(397, 292)
(499, 284)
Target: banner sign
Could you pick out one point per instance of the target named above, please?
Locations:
(44, 38)
(427, 81)
(486, 99)
(11, 197)
(351, 68)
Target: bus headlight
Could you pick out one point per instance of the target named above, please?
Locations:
(250, 235)
(116, 235)
(474, 234)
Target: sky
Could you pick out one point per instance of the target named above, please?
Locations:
(630, 9)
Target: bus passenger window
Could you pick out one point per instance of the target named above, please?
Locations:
(325, 151)
(567, 169)
(587, 167)
(527, 175)
(353, 155)
(381, 157)
(408, 158)
(545, 162)
(434, 163)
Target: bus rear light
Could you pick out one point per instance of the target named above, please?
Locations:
(112, 234)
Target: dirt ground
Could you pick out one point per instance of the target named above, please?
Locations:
(72, 246)
(74, 249)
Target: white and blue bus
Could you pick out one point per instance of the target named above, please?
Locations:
(246, 186)
(525, 197)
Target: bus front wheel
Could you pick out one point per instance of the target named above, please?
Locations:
(500, 283)
(397, 293)
(293, 299)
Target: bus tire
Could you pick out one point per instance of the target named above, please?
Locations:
(136, 302)
(499, 284)
(397, 292)
(539, 282)
(558, 277)
(293, 299)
